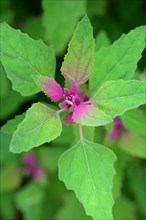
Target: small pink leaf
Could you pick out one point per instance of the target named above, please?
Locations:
(50, 87)
(53, 90)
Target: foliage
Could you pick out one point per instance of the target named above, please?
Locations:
(100, 101)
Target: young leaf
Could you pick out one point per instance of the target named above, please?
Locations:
(134, 120)
(116, 97)
(90, 116)
(87, 168)
(78, 61)
(40, 125)
(50, 87)
(24, 57)
(59, 29)
(119, 60)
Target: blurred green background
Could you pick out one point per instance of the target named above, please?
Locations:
(46, 198)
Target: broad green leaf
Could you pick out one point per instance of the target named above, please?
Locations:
(78, 62)
(60, 19)
(134, 144)
(10, 178)
(12, 124)
(71, 209)
(87, 168)
(101, 40)
(137, 183)
(29, 201)
(23, 58)
(124, 209)
(134, 120)
(41, 124)
(116, 97)
(119, 60)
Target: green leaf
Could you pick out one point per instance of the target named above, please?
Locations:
(101, 40)
(119, 60)
(23, 58)
(71, 209)
(59, 29)
(10, 178)
(116, 97)
(134, 120)
(134, 144)
(29, 201)
(40, 125)
(12, 124)
(87, 168)
(78, 62)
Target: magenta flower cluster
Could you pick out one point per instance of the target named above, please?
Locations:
(73, 100)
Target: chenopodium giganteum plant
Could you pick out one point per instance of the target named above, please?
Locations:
(87, 167)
